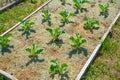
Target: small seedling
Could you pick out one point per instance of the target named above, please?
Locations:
(26, 25)
(78, 41)
(63, 2)
(46, 15)
(4, 40)
(79, 3)
(57, 68)
(34, 51)
(66, 15)
(90, 24)
(104, 9)
(56, 33)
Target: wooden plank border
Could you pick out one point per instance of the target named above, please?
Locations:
(7, 75)
(93, 55)
(10, 4)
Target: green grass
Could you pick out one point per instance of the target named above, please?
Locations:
(2, 77)
(107, 66)
(9, 17)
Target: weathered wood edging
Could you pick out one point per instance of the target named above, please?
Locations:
(10, 4)
(7, 75)
(91, 58)
(93, 55)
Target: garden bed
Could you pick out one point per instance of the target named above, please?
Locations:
(22, 67)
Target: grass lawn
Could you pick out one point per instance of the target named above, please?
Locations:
(107, 66)
(9, 17)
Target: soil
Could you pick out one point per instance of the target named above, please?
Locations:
(17, 62)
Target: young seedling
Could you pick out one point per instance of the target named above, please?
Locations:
(55, 33)
(34, 51)
(79, 3)
(90, 24)
(63, 2)
(104, 9)
(4, 40)
(46, 16)
(66, 15)
(57, 68)
(78, 41)
(26, 25)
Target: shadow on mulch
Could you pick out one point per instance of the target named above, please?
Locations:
(63, 23)
(81, 10)
(58, 42)
(78, 51)
(104, 14)
(34, 60)
(49, 22)
(6, 49)
(92, 30)
(27, 33)
(62, 77)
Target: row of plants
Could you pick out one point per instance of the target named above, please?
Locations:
(56, 67)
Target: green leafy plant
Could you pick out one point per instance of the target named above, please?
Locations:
(55, 33)
(57, 68)
(33, 1)
(78, 41)
(66, 15)
(4, 40)
(90, 24)
(78, 3)
(46, 15)
(26, 25)
(34, 51)
(104, 8)
(26, 28)
(63, 2)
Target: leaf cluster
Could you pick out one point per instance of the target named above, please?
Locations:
(66, 15)
(55, 33)
(78, 41)
(4, 40)
(57, 68)
(34, 51)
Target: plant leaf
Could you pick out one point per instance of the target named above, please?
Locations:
(28, 50)
(40, 51)
(50, 31)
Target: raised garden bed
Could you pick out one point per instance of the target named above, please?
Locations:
(23, 67)
(7, 3)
